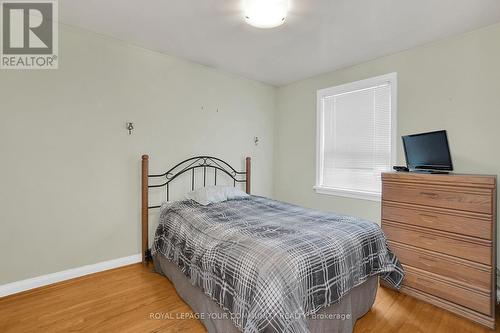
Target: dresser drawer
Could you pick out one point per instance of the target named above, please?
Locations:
(476, 226)
(471, 274)
(434, 196)
(438, 242)
(434, 285)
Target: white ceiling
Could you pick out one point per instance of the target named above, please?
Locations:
(318, 36)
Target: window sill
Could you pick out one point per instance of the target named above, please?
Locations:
(371, 196)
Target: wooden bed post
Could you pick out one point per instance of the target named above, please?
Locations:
(248, 174)
(145, 203)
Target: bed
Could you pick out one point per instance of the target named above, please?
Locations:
(253, 264)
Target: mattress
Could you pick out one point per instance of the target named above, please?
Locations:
(337, 318)
(269, 264)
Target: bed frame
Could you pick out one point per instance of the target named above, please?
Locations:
(191, 164)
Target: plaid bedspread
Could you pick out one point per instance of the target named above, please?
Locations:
(271, 264)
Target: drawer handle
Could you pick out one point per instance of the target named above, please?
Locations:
(425, 280)
(428, 216)
(427, 259)
(429, 194)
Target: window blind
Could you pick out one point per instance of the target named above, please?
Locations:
(356, 137)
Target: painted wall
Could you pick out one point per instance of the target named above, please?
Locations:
(452, 84)
(70, 173)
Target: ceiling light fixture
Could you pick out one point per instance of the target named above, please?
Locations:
(265, 13)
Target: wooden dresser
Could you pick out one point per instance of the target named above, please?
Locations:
(443, 230)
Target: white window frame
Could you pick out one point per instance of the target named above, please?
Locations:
(345, 88)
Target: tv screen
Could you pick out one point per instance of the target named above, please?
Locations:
(427, 151)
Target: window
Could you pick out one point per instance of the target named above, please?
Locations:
(356, 137)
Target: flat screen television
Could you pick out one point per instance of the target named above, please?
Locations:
(427, 152)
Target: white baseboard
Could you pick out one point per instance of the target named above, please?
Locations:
(44, 280)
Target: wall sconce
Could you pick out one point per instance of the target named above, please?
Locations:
(256, 140)
(130, 127)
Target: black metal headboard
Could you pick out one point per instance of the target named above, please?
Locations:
(191, 164)
(198, 162)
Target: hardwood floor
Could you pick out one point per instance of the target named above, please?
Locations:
(122, 300)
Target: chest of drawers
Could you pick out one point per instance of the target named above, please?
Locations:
(443, 230)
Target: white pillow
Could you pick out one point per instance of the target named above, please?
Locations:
(234, 193)
(213, 194)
